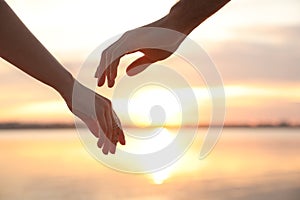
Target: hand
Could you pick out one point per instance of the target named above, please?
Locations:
(155, 43)
(99, 118)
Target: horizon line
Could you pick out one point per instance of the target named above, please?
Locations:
(54, 125)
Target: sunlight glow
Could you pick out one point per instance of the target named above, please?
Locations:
(161, 176)
(47, 111)
(162, 138)
(159, 103)
(71, 38)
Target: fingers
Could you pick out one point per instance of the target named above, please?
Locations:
(101, 70)
(103, 135)
(106, 146)
(107, 68)
(110, 129)
(121, 138)
(106, 142)
(118, 136)
(101, 80)
(109, 145)
(109, 121)
(114, 141)
(138, 66)
(99, 118)
(109, 62)
(112, 72)
(117, 130)
(101, 140)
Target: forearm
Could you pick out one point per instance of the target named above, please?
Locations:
(19, 47)
(186, 15)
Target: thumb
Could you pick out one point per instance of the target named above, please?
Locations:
(138, 66)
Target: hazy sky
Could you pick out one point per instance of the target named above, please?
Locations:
(253, 43)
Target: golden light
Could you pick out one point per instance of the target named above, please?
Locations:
(154, 105)
(159, 139)
(161, 176)
(165, 138)
(47, 111)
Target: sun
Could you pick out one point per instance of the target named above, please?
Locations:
(161, 176)
(154, 105)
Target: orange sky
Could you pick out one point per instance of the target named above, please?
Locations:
(254, 45)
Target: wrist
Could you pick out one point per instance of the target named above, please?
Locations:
(186, 15)
(183, 17)
(65, 88)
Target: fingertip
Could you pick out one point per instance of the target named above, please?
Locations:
(111, 83)
(106, 147)
(104, 151)
(96, 74)
(122, 139)
(100, 84)
(113, 148)
(101, 81)
(100, 143)
(131, 71)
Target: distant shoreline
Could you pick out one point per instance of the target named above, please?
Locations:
(14, 126)
(8, 126)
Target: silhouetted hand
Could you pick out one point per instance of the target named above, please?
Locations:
(99, 118)
(154, 41)
(20, 47)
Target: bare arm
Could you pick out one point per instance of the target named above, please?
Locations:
(186, 15)
(19, 47)
(183, 17)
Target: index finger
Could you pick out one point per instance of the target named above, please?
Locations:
(110, 59)
(101, 70)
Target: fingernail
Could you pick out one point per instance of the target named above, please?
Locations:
(113, 151)
(111, 84)
(99, 144)
(123, 142)
(104, 152)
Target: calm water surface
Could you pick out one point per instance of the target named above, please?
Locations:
(246, 164)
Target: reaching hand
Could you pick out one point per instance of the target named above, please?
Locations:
(100, 117)
(154, 41)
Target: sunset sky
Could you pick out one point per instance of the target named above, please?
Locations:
(254, 44)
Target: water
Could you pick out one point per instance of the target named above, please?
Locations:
(246, 164)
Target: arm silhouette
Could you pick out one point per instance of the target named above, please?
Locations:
(22, 49)
(183, 18)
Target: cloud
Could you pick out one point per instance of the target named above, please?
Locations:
(260, 53)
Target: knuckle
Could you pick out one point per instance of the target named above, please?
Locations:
(104, 53)
(109, 104)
